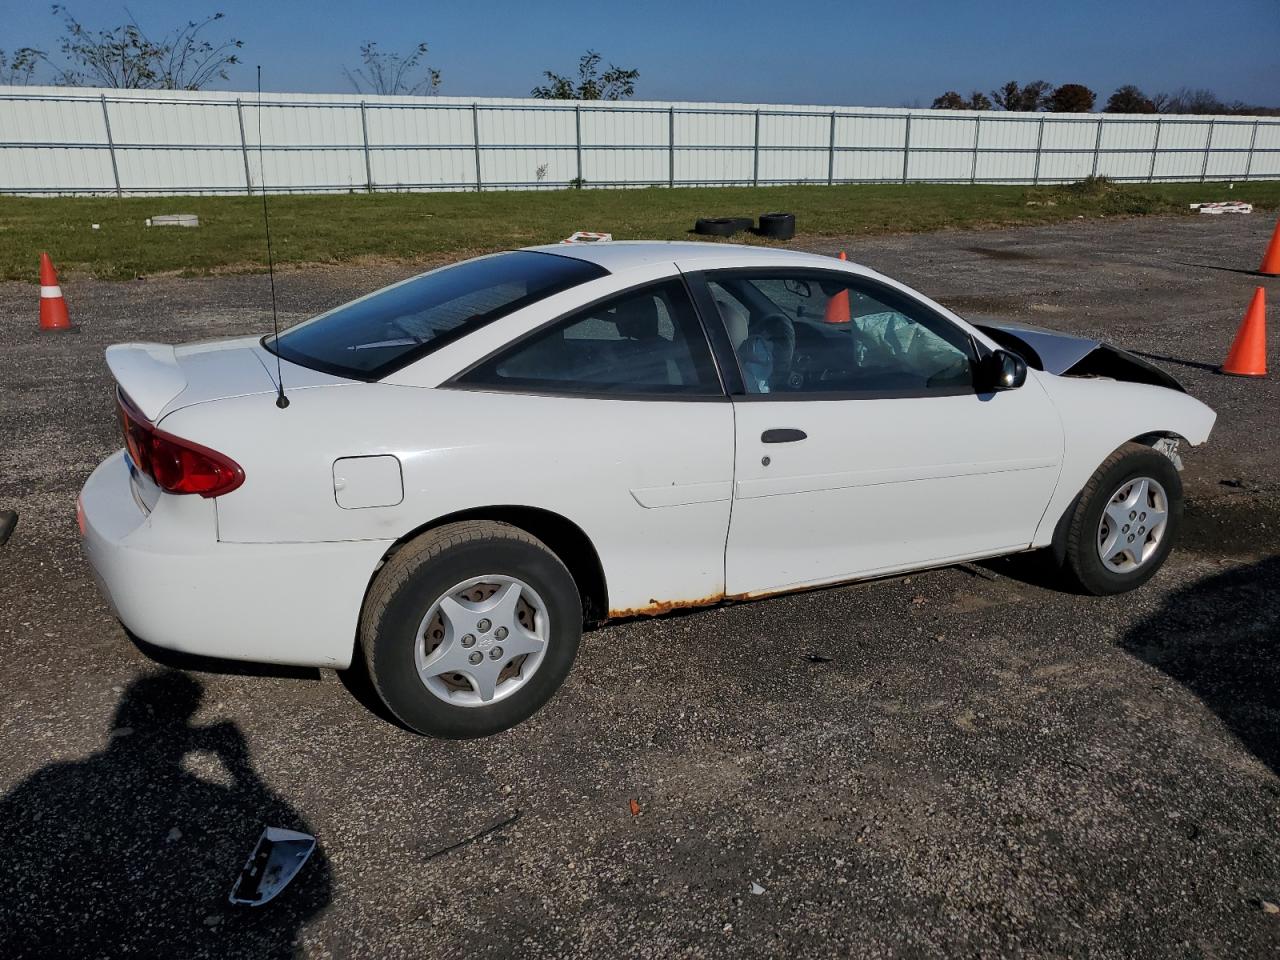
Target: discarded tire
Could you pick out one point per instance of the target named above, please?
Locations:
(722, 226)
(777, 226)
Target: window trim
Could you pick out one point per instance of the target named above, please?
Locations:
(717, 334)
(456, 382)
(726, 356)
(412, 356)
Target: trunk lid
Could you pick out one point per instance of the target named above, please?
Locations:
(159, 378)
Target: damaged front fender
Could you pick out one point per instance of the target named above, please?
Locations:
(1066, 355)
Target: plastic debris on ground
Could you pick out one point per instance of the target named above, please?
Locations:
(1226, 206)
(491, 829)
(275, 861)
(174, 220)
(587, 236)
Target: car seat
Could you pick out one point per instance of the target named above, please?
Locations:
(639, 321)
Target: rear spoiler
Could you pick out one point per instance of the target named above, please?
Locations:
(148, 373)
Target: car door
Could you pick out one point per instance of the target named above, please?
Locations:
(614, 417)
(863, 445)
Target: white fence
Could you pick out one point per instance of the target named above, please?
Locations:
(56, 140)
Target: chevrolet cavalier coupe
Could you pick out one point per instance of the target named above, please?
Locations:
(467, 467)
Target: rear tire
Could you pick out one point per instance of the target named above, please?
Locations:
(447, 654)
(1099, 522)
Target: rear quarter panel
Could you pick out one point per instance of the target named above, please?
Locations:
(648, 481)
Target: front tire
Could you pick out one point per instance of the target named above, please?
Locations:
(470, 629)
(1124, 522)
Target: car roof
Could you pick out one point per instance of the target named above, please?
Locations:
(619, 256)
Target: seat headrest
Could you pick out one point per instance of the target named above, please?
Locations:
(736, 320)
(636, 318)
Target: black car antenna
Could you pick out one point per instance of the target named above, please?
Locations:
(281, 400)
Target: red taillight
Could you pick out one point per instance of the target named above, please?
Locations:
(176, 465)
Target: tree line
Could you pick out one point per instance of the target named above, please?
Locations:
(187, 57)
(1077, 98)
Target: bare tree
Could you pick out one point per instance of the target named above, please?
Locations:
(1186, 100)
(614, 84)
(393, 74)
(125, 56)
(18, 69)
(1201, 101)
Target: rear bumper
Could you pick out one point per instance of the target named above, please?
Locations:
(174, 585)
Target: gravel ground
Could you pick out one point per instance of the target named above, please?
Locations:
(986, 766)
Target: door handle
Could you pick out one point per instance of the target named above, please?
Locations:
(782, 435)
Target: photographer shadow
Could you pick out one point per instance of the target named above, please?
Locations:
(1220, 638)
(134, 849)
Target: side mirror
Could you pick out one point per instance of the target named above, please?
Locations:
(1003, 370)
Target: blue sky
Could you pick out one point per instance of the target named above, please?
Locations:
(851, 53)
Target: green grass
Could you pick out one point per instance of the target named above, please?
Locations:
(433, 226)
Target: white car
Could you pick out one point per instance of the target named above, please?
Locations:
(451, 476)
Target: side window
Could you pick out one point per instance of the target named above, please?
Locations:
(822, 333)
(645, 341)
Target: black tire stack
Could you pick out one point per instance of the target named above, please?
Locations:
(775, 226)
(722, 226)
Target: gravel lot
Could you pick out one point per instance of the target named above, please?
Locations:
(987, 766)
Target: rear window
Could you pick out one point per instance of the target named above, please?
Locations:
(390, 328)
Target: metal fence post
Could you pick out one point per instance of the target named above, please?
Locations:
(577, 138)
(977, 131)
(671, 147)
(1035, 174)
(1208, 146)
(1155, 152)
(368, 166)
(906, 148)
(244, 148)
(831, 152)
(1253, 138)
(111, 146)
(475, 139)
(1097, 147)
(755, 155)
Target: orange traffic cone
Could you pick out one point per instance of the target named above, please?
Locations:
(838, 306)
(1248, 354)
(53, 309)
(1271, 259)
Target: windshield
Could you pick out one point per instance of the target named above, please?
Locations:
(386, 330)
